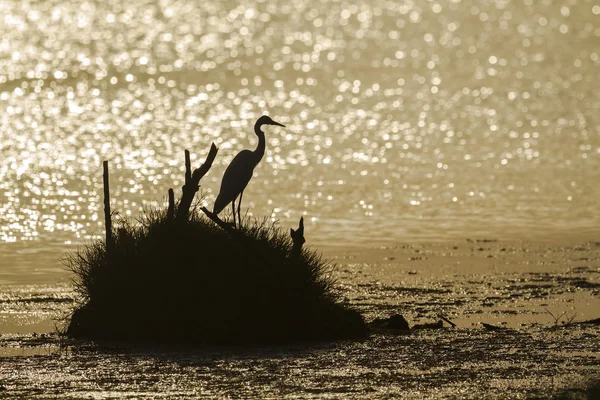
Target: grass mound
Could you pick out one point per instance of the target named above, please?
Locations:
(191, 282)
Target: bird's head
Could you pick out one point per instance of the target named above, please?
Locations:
(265, 120)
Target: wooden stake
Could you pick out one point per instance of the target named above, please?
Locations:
(171, 209)
(107, 219)
(298, 238)
(188, 167)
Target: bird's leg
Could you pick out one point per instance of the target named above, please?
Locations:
(233, 211)
(240, 206)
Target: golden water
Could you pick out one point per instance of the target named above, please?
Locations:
(406, 121)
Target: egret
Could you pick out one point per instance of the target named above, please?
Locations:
(239, 172)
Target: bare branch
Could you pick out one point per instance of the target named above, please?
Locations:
(215, 218)
(192, 185)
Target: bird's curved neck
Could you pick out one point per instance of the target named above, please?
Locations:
(260, 149)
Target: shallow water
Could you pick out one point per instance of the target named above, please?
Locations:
(407, 122)
(382, 367)
(411, 120)
(537, 295)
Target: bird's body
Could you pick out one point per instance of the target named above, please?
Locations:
(236, 178)
(240, 170)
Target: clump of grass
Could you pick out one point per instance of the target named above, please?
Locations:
(191, 282)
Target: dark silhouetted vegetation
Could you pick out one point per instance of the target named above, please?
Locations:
(190, 282)
(590, 391)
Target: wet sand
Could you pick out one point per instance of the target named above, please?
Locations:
(538, 294)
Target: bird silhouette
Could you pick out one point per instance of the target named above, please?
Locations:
(239, 172)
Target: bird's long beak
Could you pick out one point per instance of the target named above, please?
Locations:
(277, 123)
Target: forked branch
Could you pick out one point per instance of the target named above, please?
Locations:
(192, 182)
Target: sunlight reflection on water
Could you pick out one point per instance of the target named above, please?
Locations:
(404, 120)
(537, 296)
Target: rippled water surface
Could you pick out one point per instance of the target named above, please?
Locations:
(406, 121)
(537, 296)
(412, 119)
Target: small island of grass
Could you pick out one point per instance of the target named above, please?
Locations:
(189, 280)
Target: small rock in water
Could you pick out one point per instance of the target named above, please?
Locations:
(397, 321)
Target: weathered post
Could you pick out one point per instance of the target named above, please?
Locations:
(298, 238)
(188, 167)
(107, 219)
(171, 209)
